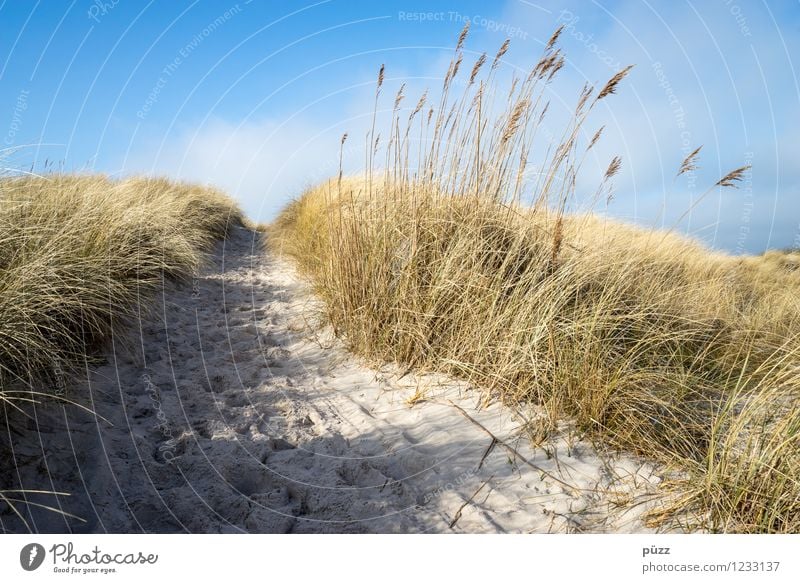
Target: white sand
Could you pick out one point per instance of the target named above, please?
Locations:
(229, 414)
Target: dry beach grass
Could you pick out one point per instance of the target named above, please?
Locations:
(80, 254)
(445, 257)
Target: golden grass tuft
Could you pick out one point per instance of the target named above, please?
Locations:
(646, 339)
(80, 254)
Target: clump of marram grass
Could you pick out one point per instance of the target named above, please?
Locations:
(450, 260)
(79, 254)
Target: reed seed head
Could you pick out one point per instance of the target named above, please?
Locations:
(514, 120)
(420, 103)
(380, 76)
(463, 36)
(502, 51)
(611, 86)
(554, 38)
(689, 163)
(613, 168)
(399, 98)
(477, 67)
(731, 178)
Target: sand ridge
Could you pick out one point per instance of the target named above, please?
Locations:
(227, 410)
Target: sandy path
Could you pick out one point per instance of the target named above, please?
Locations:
(226, 413)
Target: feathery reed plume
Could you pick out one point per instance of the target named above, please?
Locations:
(596, 137)
(548, 65)
(399, 97)
(731, 178)
(420, 104)
(611, 86)
(456, 66)
(556, 67)
(463, 36)
(689, 163)
(477, 67)
(514, 120)
(613, 168)
(502, 51)
(554, 38)
(541, 67)
(381, 76)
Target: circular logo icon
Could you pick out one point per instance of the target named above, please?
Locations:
(31, 556)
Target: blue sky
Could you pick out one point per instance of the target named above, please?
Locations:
(254, 96)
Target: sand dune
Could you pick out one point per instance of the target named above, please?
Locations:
(225, 411)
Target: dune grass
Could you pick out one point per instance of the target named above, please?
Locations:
(449, 259)
(80, 255)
